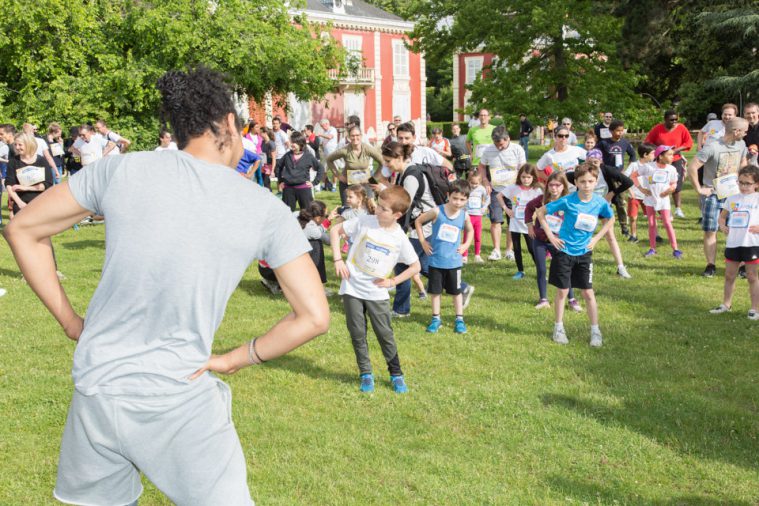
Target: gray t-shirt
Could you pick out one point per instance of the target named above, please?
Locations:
(720, 159)
(171, 264)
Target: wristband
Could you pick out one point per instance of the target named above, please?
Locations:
(253, 353)
(338, 260)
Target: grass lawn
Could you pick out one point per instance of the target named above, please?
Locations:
(664, 413)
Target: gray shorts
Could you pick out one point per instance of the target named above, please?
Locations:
(186, 444)
(495, 211)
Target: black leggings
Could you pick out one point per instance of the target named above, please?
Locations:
(515, 236)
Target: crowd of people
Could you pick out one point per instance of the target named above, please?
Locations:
(407, 211)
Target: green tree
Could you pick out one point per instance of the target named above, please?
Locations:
(553, 58)
(75, 61)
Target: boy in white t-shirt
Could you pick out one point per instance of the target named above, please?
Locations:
(377, 245)
(739, 219)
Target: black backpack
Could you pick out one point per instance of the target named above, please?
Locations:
(440, 180)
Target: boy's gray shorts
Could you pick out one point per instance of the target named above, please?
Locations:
(186, 444)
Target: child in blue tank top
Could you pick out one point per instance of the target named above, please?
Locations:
(444, 249)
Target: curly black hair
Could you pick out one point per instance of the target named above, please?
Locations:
(194, 102)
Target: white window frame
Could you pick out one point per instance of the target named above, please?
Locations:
(400, 60)
(354, 46)
(473, 67)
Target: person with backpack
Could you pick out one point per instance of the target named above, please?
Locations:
(428, 186)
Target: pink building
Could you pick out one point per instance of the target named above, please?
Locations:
(466, 68)
(390, 80)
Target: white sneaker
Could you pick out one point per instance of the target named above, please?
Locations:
(478, 259)
(542, 304)
(560, 335)
(509, 255)
(60, 275)
(467, 296)
(622, 272)
(679, 213)
(495, 255)
(465, 260)
(596, 340)
(752, 315)
(720, 309)
(3, 291)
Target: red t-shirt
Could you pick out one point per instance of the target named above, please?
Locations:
(677, 138)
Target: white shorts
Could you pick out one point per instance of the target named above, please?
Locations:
(186, 444)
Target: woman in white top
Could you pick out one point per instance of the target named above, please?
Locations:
(564, 157)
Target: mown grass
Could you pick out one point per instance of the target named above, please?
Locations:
(664, 413)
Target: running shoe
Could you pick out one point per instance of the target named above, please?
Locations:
(465, 259)
(495, 255)
(622, 272)
(3, 291)
(459, 327)
(753, 315)
(422, 295)
(509, 255)
(596, 340)
(560, 336)
(399, 315)
(467, 293)
(575, 306)
(478, 259)
(710, 271)
(651, 252)
(399, 384)
(519, 275)
(679, 213)
(434, 325)
(742, 272)
(633, 239)
(367, 383)
(677, 254)
(659, 239)
(542, 304)
(720, 309)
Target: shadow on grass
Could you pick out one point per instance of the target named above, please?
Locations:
(592, 493)
(84, 244)
(301, 365)
(9, 273)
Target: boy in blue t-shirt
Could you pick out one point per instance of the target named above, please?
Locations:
(445, 250)
(573, 265)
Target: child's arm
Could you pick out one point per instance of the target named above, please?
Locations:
(541, 215)
(608, 223)
(722, 220)
(412, 270)
(636, 181)
(502, 203)
(469, 236)
(669, 190)
(340, 268)
(430, 215)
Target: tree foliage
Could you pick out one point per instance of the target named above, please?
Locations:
(76, 61)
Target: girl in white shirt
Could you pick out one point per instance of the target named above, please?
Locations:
(657, 181)
(739, 219)
(520, 195)
(478, 203)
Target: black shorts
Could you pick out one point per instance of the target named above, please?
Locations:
(748, 254)
(450, 279)
(569, 271)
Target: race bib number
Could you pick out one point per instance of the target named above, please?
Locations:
(739, 219)
(479, 149)
(448, 233)
(519, 213)
(660, 176)
(726, 186)
(586, 222)
(374, 258)
(475, 202)
(56, 149)
(503, 176)
(618, 161)
(605, 133)
(359, 176)
(30, 175)
(554, 223)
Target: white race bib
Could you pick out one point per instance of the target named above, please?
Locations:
(618, 160)
(503, 176)
(30, 175)
(554, 223)
(586, 222)
(448, 233)
(359, 176)
(56, 149)
(479, 149)
(660, 176)
(726, 186)
(739, 219)
(475, 202)
(374, 258)
(519, 213)
(88, 158)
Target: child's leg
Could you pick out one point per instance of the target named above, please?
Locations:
(379, 314)
(731, 273)
(666, 219)
(417, 279)
(458, 304)
(355, 319)
(651, 216)
(614, 247)
(540, 268)
(530, 246)
(632, 212)
(477, 225)
(517, 247)
(590, 301)
(435, 300)
(752, 274)
(561, 298)
(509, 243)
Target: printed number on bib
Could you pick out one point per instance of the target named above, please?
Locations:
(519, 213)
(739, 219)
(660, 176)
(374, 258)
(503, 176)
(586, 222)
(30, 175)
(554, 223)
(359, 176)
(448, 233)
(726, 186)
(56, 149)
(618, 160)
(475, 202)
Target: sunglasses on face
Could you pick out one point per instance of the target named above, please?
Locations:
(563, 136)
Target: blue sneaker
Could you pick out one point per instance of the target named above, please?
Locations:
(434, 325)
(518, 275)
(459, 327)
(399, 384)
(367, 383)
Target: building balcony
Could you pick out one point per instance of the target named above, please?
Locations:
(360, 77)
